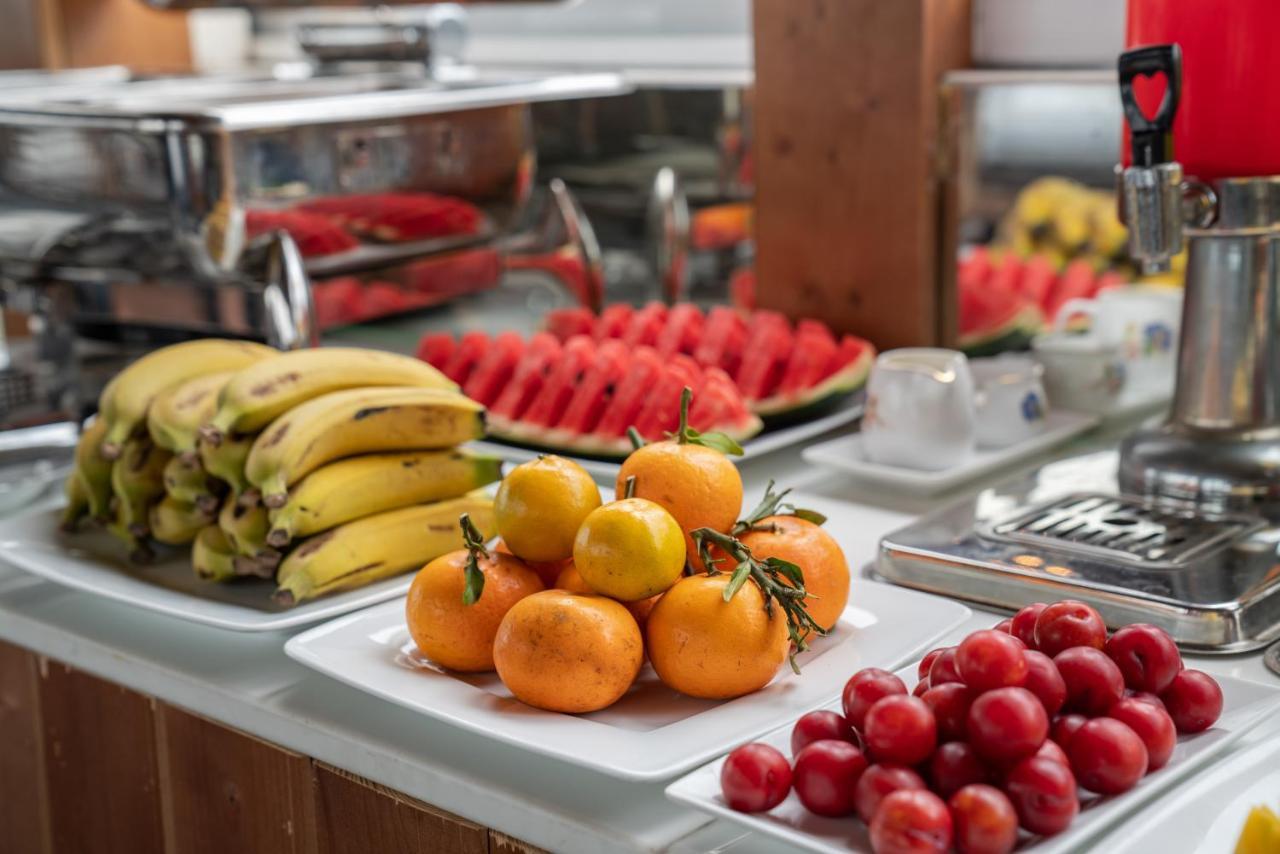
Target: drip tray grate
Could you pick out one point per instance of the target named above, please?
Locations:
(1119, 528)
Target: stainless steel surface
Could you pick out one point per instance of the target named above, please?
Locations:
(1151, 205)
(289, 305)
(1216, 591)
(1271, 658)
(1248, 202)
(668, 226)
(372, 42)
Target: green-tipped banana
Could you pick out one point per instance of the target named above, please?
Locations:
(226, 462)
(125, 401)
(177, 413)
(176, 523)
(136, 545)
(137, 481)
(245, 528)
(185, 480)
(373, 483)
(211, 555)
(258, 395)
(94, 470)
(378, 547)
(77, 503)
(360, 421)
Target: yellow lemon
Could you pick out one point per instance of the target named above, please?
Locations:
(629, 550)
(540, 506)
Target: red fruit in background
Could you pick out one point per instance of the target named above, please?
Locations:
(723, 340)
(754, 778)
(922, 669)
(1043, 793)
(989, 659)
(1146, 697)
(1152, 724)
(1077, 280)
(1051, 750)
(1005, 626)
(821, 725)
(1007, 724)
(1146, 655)
(660, 413)
(911, 822)
(862, 691)
(1044, 680)
(877, 782)
(494, 370)
(1024, 623)
(564, 323)
(983, 820)
(900, 729)
(825, 775)
(631, 393)
(435, 348)
(613, 321)
(1038, 279)
(1094, 683)
(1194, 701)
(645, 326)
(682, 330)
(1069, 623)
(950, 703)
(953, 766)
(575, 358)
(764, 359)
(1107, 757)
(944, 668)
(383, 298)
(1064, 727)
(594, 390)
(529, 376)
(922, 687)
(471, 348)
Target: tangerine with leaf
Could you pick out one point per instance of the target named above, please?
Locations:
(457, 601)
(690, 475)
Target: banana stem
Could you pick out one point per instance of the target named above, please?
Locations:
(473, 587)
(789, 597)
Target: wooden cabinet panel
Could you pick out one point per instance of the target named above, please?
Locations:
(225, 791)
(846, 116)
(356, 816)
(500, 843)
(24, 812)
(99, 750)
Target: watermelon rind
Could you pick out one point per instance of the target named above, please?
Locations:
(592, 446)
(1014, 334)
(819, 399)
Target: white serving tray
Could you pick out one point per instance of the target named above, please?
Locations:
(93, 561)
(652, 733)
(846, 454)
(1246, 704)
(765, 443)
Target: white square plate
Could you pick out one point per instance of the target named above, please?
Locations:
(652, 733)
(757, 446)
(93, 561)
(846, 454)
(1246, 704)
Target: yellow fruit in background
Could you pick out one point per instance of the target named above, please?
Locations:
(540, 506)
(1261, 832)
(629, 550)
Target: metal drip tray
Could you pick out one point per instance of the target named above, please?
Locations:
(1063, 531)
(1110, 527)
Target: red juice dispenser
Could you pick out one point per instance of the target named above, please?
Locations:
(1200, 167)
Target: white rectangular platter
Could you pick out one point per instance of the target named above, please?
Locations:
(846, 454)
(94, 562)
(1246, 705)
(652, 733)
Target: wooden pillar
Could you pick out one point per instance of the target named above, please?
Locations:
(24, 810)
(846, 121)
(80, 33)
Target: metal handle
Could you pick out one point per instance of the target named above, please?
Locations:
(290, 309)
(669, 233)
(563, 246)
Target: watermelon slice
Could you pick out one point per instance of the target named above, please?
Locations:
(682, 331)
(723, 340)
(494, 371)
(1077, 281)
(548, 407)
(629, 397)
(765, 359)
(464, 358)
(595, 392)
(564, 323)
(437, 349)
(994, 317)
(613, 321)
(645, 326)
(846, 371)
(660, 414)
(535, 365)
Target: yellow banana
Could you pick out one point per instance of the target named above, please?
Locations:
(77, 502)
(186, 481)
(176, 523)
(259, 394)
(211, 555)
(94, 470)
(226, 461)
(139, 549)
(177, 413)
(245, 528)
(378, 547)
(359, 421)
(361, 486)
(137, 481)
(125, 401)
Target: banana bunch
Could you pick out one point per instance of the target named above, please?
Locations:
(1065, 220)
(321, 469)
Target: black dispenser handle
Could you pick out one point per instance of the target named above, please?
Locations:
(1151, 138)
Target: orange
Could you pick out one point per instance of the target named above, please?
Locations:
(820, 558)
(629, 550)
(548, 571)
(642, 609)
(540, 506)
(571, 580)
(699, 486)
(706, 647)
(568, 652)
(454, 635)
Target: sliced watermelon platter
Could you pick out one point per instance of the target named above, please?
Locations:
(580, 385)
